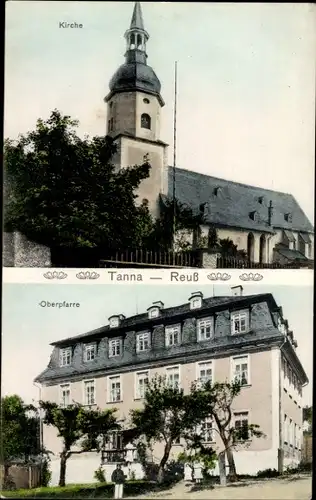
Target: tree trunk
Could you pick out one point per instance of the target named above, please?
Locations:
(163, 462)
(231, 463)
(62, 470)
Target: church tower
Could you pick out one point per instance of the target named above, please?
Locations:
(134, 106)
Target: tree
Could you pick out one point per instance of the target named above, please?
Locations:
(217, 400)
(167, 414)
(162, 235)
(64, 191)
(19, 432)
(197, 452)
(80, 429)
(308, 417)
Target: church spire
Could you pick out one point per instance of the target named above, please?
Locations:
(136, 37)
(137, 17)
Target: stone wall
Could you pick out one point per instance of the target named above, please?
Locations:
(18, 251)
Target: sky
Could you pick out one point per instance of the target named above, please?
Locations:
(246, 80)
(28, 328)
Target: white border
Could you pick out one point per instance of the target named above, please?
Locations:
(185, 277)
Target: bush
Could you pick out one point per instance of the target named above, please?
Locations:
(99, 475)
(268, 473)
(46, 474)
(174, 472)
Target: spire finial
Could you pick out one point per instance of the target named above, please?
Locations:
(137, 17)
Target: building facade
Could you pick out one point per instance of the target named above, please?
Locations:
(218, 339)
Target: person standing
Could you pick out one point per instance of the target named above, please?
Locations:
(118, 479)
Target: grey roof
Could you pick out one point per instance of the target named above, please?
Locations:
(234, 202)
(170, 312)
(137, 17)
(289, 253)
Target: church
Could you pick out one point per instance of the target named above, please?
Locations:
(269, 225)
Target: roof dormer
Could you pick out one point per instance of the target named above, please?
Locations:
(261, 200)
(196, 300)
(288, 217)
(115, 320)
(154, 310)
(254, 215)
(216, 190)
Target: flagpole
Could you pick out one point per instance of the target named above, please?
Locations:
(174, 157)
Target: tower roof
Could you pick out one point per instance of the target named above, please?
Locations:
(137, 17)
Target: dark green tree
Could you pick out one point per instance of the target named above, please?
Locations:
(166, 416)
(80, 429)
(63, 190)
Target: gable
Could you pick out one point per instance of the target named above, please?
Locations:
(231, 203)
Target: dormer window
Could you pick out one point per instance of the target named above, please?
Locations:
(261, 200)
(114, 322)
(154, 310)
(288, 217)
(115, 347)
(216, 191)
(239, 322)
(65, 356)
(196, 300)
(89, 352)
(145, 121)
(253, 215)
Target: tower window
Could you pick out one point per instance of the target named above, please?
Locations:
(111, 124)
(146, 101)
(111, 104)
(132, 41)
(145, 121)
(139, 41)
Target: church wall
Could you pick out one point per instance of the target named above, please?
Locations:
(133, 153)
(123, 112)
(153, 109)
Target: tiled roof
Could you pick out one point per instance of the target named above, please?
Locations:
(233, 202)
(166, 313)
(289, 253)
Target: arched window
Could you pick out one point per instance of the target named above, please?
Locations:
(145, 121)
(139, 41)
(250, 247)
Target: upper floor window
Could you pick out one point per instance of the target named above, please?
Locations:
(65, 394)
(89, 352)
(208, 431)
(205, 329)
(205, 372)
(241, 420)
(115, 347)
(146, 101)
(173, 377)
(172, 334)
(240, 370)
(65, 356)
(239, 322)
(89, 392)
(143, 342)
(115, 389)
(196, 303)
(145, 121)
(142, 379)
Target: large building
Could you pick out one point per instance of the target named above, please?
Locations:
(269, 225)
(217, 338)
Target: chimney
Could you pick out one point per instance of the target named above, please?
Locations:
(270, 213)
(237, 291)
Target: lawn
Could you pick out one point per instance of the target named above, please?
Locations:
(95, 490)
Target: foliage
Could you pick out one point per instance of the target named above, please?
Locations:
(46, 473)
(96, 490)
(19, 433)
(198, 452)
(163, 229)
(78, 426)
(64, 190)
(167, 414)
(308, 417)
(217, 400)
(99, 475)
(268, 473)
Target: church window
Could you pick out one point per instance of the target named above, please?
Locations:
(145, 121)
(132, 40)
(111, 124)
(146, 101)
(139, 40)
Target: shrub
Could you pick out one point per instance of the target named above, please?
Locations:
(99, 475)
(268, 473)
(46, 473)
(174, 472)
